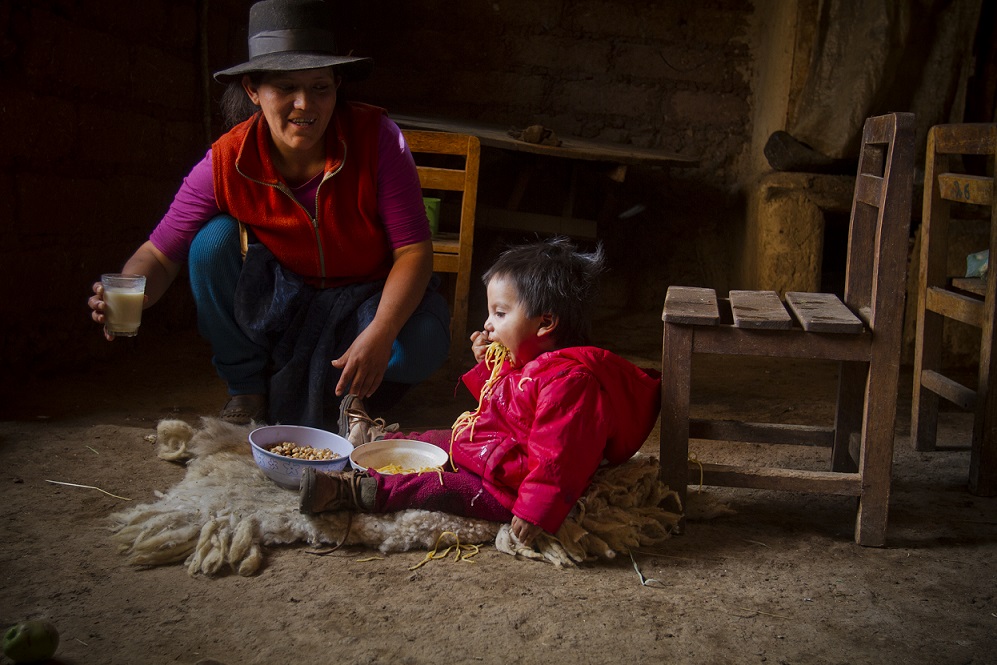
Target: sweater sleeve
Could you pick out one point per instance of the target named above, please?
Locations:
(193, 205)
(399, 193)
(565, 448)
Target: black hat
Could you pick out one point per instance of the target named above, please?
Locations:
(286, 35)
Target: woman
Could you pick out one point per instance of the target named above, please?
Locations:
(333, 296)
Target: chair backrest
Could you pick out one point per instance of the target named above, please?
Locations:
(942, 186)
(452, 251)
(878, 234)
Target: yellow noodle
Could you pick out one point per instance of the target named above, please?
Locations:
(462, 551)
(398, 468)
(393, 468)
(495, 356)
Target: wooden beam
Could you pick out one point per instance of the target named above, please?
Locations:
(791, 480)
(733, 430)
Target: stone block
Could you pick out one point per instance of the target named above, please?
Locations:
(569, 56)
(693, 106)
(784, 229)
(666, 63)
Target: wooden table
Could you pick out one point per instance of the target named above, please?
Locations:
(613, 159)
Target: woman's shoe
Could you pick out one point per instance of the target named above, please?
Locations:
(244, 409)
(358, 427)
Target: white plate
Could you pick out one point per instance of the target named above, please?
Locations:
(406, 453)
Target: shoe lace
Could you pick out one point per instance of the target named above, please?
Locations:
(357, 417)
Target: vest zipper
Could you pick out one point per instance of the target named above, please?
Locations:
(281, 187)
(318, 240)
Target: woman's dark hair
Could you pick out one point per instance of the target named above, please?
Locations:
(553, 277)
(235, 104)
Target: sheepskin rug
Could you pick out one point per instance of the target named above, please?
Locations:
(225, 511)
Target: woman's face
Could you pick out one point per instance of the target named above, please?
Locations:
(298, 106)
(508, 324)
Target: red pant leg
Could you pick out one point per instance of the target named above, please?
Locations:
(461, 493)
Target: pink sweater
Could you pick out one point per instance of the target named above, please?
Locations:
(401, 209)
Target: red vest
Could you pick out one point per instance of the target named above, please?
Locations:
(346, 242)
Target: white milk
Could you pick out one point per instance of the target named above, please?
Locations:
(124, 311)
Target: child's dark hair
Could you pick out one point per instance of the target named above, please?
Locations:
(553, 277)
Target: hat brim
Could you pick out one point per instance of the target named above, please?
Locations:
(351, 68)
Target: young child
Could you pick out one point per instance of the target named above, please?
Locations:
(551, 409)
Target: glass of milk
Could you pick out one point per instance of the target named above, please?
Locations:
(124, 296)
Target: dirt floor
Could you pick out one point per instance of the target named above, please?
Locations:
(778, 581)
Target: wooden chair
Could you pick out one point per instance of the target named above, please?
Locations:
(969, 300)
(452, 250)
(862, 333)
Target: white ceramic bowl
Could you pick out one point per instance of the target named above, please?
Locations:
(286, 471)
(406, 453)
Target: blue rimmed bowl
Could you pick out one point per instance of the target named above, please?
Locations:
(286, 471)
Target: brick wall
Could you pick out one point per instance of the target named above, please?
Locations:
(103, 113)
(669, 75)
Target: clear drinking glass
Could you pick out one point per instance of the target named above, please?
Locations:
(124, 296)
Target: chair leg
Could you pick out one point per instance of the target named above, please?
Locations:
(876, 456)
(462, 286)
(983, 455)
(848, 416)
(676, 386)
(924, 402)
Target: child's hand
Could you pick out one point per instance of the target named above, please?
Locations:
(479, 344)
(524, 531)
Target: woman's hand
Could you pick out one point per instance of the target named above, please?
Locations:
(364, 363)
(98, 306)
(479, 344)
(524, 531)
(159, 271)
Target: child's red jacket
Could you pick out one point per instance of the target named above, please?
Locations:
(545, 428)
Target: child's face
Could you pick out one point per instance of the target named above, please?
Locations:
(508, 324)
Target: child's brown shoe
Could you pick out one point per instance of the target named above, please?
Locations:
(333, 491)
